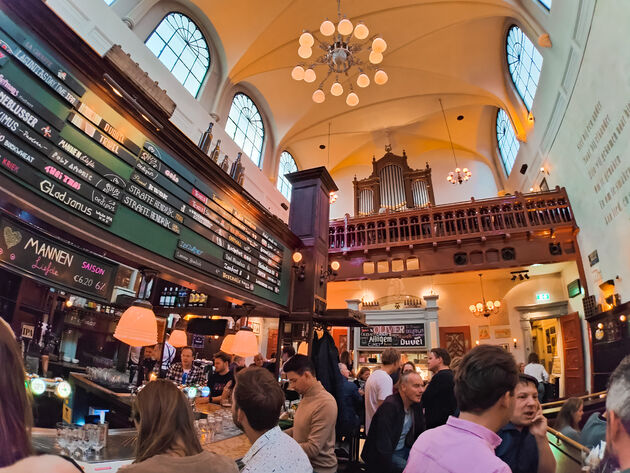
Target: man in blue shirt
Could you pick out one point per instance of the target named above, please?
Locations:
(524, 446)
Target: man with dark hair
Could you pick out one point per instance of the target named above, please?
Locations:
(288, 352)
(256, 404)
(185, 372)
(380, 384)
(484, 389)
(221, 376)
(439, 397)
(314, 422)
(524, 445)
(395, 426)
(618, 415)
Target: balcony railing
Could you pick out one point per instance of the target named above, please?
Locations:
(452, 222)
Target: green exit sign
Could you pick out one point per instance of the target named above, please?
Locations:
(542, 296)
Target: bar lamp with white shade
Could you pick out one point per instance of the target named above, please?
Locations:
(178, 339)
(137, 326)
(243, 344)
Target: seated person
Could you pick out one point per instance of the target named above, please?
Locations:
(167, 440)
(185, 372)
(395, 426)
(314, 422)
(524, 446)
(350, 404)
(147, 365)
(221, 376)
(258, 400)
(569, 417)
(594, 430)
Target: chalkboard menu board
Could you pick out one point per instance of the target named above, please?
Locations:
(60, 140)
(401, 336)
(33, 253)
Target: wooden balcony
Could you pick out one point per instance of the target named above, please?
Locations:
(484, 230)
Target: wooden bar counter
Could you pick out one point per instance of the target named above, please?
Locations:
(234, 447)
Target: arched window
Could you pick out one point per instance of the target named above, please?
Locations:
(180, 45)
(287, 165)
(545, 3)
(508, 144)
(245, 126)
(524, 63)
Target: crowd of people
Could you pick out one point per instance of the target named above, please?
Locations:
(483, 416)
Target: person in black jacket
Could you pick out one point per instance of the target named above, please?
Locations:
(439, 397)
(396, 425)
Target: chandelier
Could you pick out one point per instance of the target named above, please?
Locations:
(484, 308)
(458, 176)
(341, 49)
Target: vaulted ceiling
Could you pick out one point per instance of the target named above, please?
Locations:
(449, 49)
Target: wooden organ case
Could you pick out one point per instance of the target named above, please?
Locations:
(393, 186)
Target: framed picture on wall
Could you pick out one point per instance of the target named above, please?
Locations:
(549, 349)
(502, 333)
(484, 332)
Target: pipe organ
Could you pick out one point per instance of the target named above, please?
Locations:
(392, 186)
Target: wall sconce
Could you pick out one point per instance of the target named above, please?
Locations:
(530, 117)
(544, 170)
(298, 266)
(476, 342)
(330, 273)
(622, 318)
(514, 340)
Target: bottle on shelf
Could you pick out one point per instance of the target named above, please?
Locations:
(225, 164)
(170, 297)
(163, 297)
(206, 139)
(215, 152)
(237, 167)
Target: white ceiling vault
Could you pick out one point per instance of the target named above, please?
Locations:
(454, 50)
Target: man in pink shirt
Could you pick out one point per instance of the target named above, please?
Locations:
(484, 389)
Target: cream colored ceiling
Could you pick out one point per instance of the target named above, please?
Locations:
(446, 49)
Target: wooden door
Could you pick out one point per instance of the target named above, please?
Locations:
(456, 340)
(272, 342)
(574, 381)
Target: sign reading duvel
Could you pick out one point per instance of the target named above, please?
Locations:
(377, 336)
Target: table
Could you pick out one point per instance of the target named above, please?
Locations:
(234, 447)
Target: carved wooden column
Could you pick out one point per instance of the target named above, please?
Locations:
(308, 219)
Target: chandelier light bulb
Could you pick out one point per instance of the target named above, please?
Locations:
(375, 57)
(319, 96)
(363, 80)
(352, 99)
(379, 45)
(472, 308)
(297, 73)
(309, 75)
(479, 306)
(345, 27)
(306, 39)
(327, 28)
(361, 31)
(380, 77)
(304, 52)
(497, 304)
(336, 89)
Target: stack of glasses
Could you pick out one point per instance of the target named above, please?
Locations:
(79, 440)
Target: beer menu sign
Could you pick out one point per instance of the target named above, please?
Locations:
(53, 261)
(61, 141)
(399, 336)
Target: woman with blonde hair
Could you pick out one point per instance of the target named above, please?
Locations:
(167, 440)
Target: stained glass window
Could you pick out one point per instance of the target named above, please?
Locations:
(245, 126)
(524, 63)
(182, 48)
(508, 144)
(287, 165)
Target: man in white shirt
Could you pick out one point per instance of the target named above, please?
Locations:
(535, 369)
(256, 402)
(380, 384)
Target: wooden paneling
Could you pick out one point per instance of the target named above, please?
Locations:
(574, 381)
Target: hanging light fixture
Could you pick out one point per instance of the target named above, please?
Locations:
(178, 339)
(459, 176)
(485, 308)
(245, 342)
(344, 50)
(226, 346)
(137, 326)
(303, 349)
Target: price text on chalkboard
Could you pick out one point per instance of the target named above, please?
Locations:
(53, 261)
(409, 335)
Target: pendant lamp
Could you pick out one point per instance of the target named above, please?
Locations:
(245, 343)
(137, 326)
(226, 346)
(178, 339)
(303, 348)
